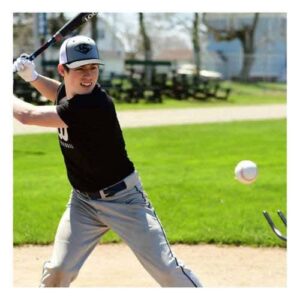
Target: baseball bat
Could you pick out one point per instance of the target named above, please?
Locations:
(71, 25)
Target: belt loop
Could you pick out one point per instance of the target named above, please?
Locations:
(102, 194)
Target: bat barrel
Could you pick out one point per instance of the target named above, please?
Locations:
(77, 21)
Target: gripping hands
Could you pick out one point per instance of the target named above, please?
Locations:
(25, 68)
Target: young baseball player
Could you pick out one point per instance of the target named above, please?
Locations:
(106, 190)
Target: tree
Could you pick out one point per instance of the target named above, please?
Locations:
(190, 25)
(55, 22)
(196, 43)
(244, 32)
(22, 33)
(146, 45)
(94, 28)
(125, 26)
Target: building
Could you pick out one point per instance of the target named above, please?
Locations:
(226, 57)
(112, 50)
(111, 47)
(270, 46)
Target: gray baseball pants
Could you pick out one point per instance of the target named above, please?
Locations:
(130, 214)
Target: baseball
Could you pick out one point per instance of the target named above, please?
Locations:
(246, 171)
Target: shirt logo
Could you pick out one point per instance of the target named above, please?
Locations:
(83, 48)
(63, 134)
(64, 138)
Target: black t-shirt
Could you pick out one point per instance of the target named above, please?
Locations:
(93, 146)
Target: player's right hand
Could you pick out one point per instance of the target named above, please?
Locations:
(25, 68)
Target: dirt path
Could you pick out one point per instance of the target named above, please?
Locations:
(155, 117)
(114, 265)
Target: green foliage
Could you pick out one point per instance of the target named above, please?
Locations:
(187, 172)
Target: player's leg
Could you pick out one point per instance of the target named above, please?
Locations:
(77, 235)
(155, 254)
(134, 219)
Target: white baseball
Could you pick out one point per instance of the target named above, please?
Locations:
(246, 171)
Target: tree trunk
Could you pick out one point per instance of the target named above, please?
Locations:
(147, 49)
(196, 45)
(94, 28)
(246, 36)
(248, 44)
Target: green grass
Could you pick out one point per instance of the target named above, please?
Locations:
(242, 94)
(187, 172)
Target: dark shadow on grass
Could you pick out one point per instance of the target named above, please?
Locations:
(29, 152)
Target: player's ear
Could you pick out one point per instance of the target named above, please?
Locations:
(61, 70)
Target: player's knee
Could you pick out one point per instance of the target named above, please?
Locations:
(57, 277)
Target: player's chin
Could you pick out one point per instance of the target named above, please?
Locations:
(86, 89)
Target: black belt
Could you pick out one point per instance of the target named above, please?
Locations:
(107, 192)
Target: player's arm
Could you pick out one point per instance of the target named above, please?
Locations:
(29, 114)
(44, 85)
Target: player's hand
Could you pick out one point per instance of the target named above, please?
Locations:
(25, 68)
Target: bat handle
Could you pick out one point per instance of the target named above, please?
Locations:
(50, 42)
(31, 57)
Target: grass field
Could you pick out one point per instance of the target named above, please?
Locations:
(187, 172)
(242, 94)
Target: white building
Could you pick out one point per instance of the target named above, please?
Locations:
(270, 46)
(226, 57)
(111, 48)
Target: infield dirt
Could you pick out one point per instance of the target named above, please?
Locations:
(114, 265)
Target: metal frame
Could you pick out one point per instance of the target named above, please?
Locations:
(272, 225)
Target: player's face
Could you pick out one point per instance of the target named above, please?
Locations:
(81, 80)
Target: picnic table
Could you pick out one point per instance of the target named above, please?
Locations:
(206, 85)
